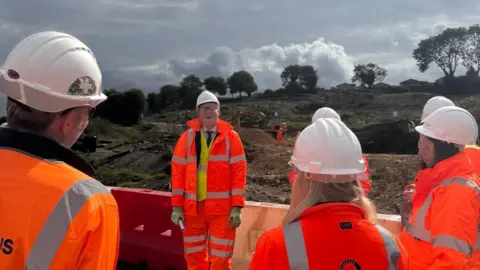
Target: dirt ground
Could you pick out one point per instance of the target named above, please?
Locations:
(146, 164)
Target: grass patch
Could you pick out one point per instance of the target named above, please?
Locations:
(126, 177)
(104, 129)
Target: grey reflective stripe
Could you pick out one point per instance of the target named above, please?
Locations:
(58, 222)
(195, 249)
(236, 159)
(190, 196)
(448, 241)
(179, 159)
(178, 192)
(190, 135)
(211, 195)
(237, 192)
(218, 158)
(218, 195)
(221, 241)
(220, 253)
(418, 229)
(193, 239)
(296, 251)
(391, 247)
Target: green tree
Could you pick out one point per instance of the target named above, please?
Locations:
(471, 50)
(291, 75)
(242, 82)
(170, 94)
(308, 77)
(297, 76)
(155, 102)
(190, 84)
(368, 74)
(216, 85)
(446, 50)
(124, 108)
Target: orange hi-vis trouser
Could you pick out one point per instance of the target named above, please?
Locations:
(208, 231)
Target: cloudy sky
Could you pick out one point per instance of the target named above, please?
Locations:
(152, 42)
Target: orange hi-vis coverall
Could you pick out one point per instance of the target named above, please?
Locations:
(442, 230)
(53, 215)
(226, 181)
(279, 137)
(363, 178)
(329, 236)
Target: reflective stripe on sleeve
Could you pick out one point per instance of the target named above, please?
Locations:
(58, 222)
(295, 244)
(391, 247)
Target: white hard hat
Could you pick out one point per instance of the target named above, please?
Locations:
(325, 112)
(329, 147)
(434, 104)
(450, 124)
(51, 72)
(206, 97)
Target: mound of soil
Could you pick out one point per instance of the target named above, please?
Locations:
(255, 136)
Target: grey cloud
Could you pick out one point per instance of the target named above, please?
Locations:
(267, 62)
(128, 35)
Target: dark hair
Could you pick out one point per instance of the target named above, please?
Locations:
(443, 150)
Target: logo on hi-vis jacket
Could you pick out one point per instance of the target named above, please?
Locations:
(350, 265)
(6, 246)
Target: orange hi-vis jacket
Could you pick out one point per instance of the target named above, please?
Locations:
(53, 215)
(442, 230)
(364, 178)
(329, 236)
(473, 152)
(226, 170)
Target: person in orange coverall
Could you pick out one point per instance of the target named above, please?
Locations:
(442, 229)
(279, 137)
(209, 172)
(330, 223)
(363, 177)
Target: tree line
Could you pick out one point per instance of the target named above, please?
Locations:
(449, 49)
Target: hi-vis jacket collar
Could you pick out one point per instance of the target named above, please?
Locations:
(42, 148)
(222, 126)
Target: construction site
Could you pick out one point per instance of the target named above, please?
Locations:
(140, 156)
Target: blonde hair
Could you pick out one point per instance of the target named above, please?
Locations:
(309, 192)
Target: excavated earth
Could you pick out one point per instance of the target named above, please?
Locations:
(146, 163)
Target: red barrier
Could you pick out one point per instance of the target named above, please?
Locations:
(146, 232)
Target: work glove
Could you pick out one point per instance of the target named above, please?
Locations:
(407, 203)
(177, 214)
(235, 219)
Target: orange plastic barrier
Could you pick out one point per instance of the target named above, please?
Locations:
(147, 235)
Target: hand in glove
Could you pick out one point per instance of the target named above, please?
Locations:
(177, 214)
(235, 219)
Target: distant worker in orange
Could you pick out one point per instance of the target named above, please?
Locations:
(279, 137)
(364, 177)
(53, 214)
(209, 173)
(442, 230)
(330, 222)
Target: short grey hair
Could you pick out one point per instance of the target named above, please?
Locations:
(22, 117)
